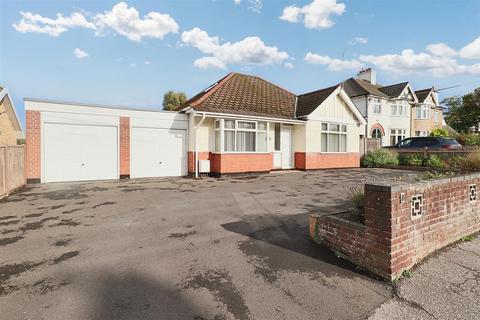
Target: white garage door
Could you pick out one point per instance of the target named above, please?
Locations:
(157, 152)
(79, 152)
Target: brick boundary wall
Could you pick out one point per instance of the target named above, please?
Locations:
(33, 146)
(227, 163)
(124, 147)
(395, 235)
(317, 160)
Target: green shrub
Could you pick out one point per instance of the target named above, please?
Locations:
(455, 163)
(411, 160)
(439, 132)
(430, 175)
(434, 161)
(469, 139)
(379, 158)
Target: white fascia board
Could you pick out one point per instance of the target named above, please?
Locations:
(239, 116)
(67, 107)
(4, 93)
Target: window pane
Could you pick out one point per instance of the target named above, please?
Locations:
(229, 124)
(334, 127)
(246, 125)
(392, 140)
(262, 126)
(217, 124)
(343, 143)
(229, 141)
(262, 142)
(344, 128)
(277, 136)
(333, 143)
(324, 142)
(245, 141)
(324, 126)
(217, 141)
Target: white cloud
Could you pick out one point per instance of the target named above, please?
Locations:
(249, 51)
(237, 2)
(471, 50)
(409, 62)
(255, 5)
(441, 50)
(333, 64)
(359, 40)
(146, 62)
(127, 22)
(79, 53)
(289, 65)
(316, 15)
(34, 23)
(121, 19)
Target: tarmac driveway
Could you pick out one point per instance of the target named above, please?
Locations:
(181, 249)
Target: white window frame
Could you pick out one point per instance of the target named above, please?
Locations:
(398, 134)
(436, 116)
(424, 112)
(221, 129)
(377, 104)
(329, 132)
(399, 108)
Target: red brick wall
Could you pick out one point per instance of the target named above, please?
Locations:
(317, 160)
(33, 142)
(392, 240)
(203, 155)
(240, 162)
(124, 147)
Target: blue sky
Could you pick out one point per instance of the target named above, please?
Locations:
(114, 53)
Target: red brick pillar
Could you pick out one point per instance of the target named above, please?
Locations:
(124, 147)
(33, 142)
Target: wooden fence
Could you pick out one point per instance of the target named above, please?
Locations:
(12, 168)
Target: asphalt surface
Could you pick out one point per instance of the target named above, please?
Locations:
(233, 248)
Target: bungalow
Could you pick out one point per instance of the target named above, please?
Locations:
(244, 124)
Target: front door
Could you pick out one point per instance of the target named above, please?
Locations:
(286, 146)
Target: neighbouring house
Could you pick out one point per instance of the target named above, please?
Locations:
(244, 124)
(427, 114)
(10, 127)
(387, 109)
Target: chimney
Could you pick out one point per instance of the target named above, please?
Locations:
(368, 75)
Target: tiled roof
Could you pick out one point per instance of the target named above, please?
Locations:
(308, 102)
(247, 95)
(423, 94)
(356, 87)
(394, 90)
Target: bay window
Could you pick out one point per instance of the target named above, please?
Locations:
(240, 136)
(333, 137)
(422, 111)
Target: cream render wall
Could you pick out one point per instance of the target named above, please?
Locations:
(204, 134)
(333, 109)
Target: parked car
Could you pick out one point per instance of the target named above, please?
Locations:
(429, 143)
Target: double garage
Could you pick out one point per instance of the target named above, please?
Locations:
(71, 142)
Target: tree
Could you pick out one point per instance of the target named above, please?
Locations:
(463, 112)
(172, 100)
(439, 132)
